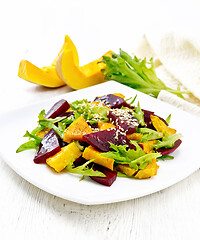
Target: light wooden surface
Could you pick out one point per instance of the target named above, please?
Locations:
(30, 213)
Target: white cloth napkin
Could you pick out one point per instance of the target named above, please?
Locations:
(177, 61)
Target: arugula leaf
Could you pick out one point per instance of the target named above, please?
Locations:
(167, 120)
(167, 141)
(79, 145)
(92, 113)
(136, 159)
(165, 157)
(132, 100)
(37, 129)
(142, 162)
(139, 114)
(84, 169)
(68, 121)
(78, 104)
(120, 174)
(122, 155)
(149, 134)
(31, 144)
(59, 130)
(135, 73)
(41, 115)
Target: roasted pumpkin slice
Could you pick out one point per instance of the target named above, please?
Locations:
(61, 159)
(124, 168)
(76, 130)
(104, 126)
(148, 146)
(92, 153)
(134, 136)
(160, 126)
(149, 171)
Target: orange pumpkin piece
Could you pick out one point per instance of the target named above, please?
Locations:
(124, 168)
(147, 146)
(76, 130)
(134, 136)
(104, 126)
(92, 153)
(149, 171)
(119, 95)
(160, 126)
(61, 159)
(43, 132)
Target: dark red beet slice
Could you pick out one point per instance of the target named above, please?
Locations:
(48, 147)
(67, 114)
(101, 140)
(165, 151)
(112, 101)
(62, 143)
(109, 179)
(58, 108)
(79, 161)
(147, 119)
(124, 118)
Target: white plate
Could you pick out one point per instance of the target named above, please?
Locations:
(14, 124)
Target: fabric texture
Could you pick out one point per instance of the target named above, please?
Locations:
(177, 61)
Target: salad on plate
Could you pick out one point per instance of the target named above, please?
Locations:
(105, 138)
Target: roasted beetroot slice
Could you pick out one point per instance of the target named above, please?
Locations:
(102, 139)
(108, 180)
(58, 108)
(67, 114)
(112, 101)
(165, 151)
(79, 161)
(147, 118)
(124, 119)
(48, 147)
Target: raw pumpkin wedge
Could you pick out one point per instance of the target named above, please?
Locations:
(61, 159)
(46, 76)
(79, 77)
(76, 130)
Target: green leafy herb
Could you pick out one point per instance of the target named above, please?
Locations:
(142, 162)
(167, 141)
(132, 100)
(31, 144)
(120, 174)
(136, 159)
(84, 169)
(37, 129)
(139, 115)
(41, 115)
(149, 134)
(59, 130)
(79, 145)
(165, 157)
(167, 120)
(135, 73)
(92, 113)
(122, 155)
